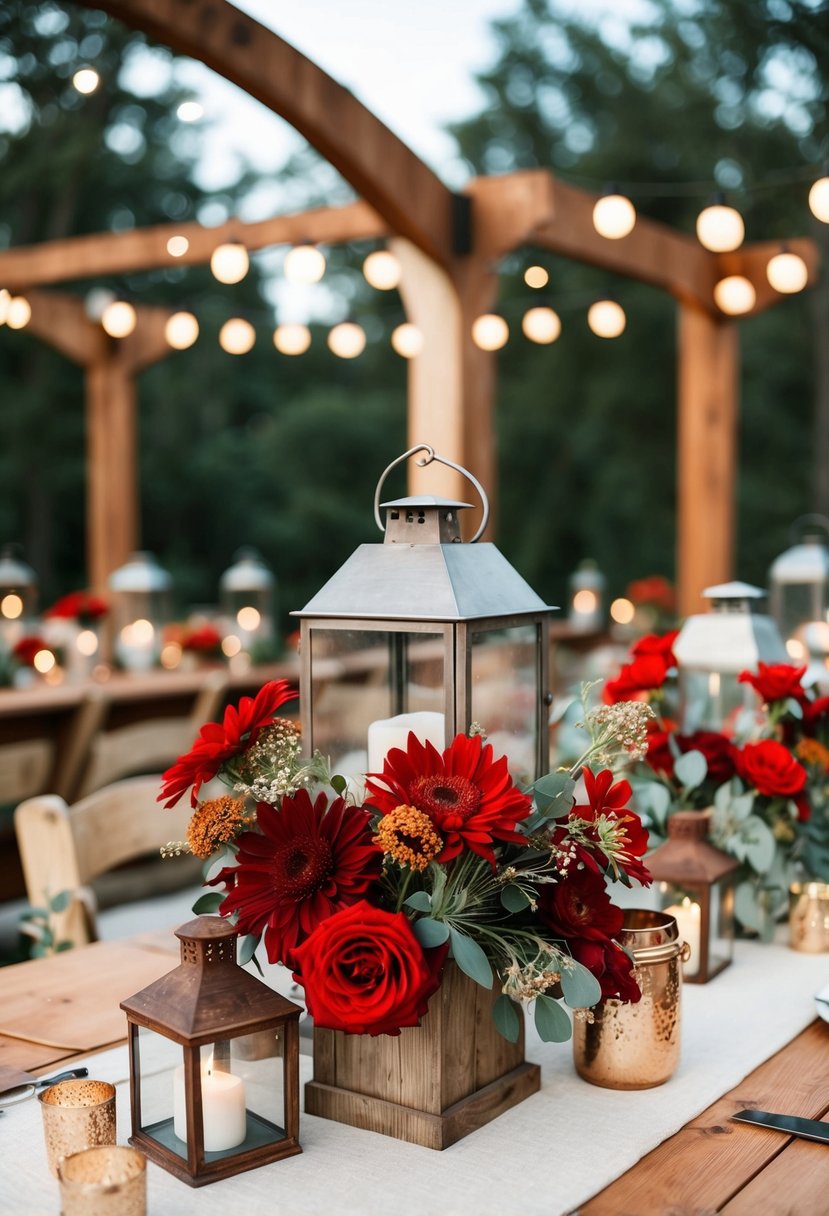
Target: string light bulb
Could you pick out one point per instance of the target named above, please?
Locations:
(490, 331)
(86, 81)
(735, 295)
(5, 299)
(720, 228)
(536, 277)
(614, 216)
(237, 336)
(819, 199)
(382, 270)
(18, 312)
(230, 262)
(542, 325)
(190, 111)
(606, 318)
(177, 246)
(181, 330)
(787, 272)
(304, 264)
(292, 339)
(347, 340)
(407, 340)
(119, 319)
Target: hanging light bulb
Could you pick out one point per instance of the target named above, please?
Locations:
(606, 318)
(347, 340)
(819, 199)
(720, 228)
(787, 272)
(542, 325)
(407, 340)
(119, 319)
(304, 264)
(735, 295)
(614, 216)
(536, 276)
(86, 80)
(489, 331)
(292, 339)
(237, 336)
(177, 246)
(18, 312)
(382, 270)
(181, 330)
(230, 262)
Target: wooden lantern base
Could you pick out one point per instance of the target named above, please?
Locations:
(434, 1083)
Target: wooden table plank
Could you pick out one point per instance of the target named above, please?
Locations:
(701, 1168)
(796, 1183)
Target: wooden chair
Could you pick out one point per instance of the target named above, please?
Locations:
(62, 848)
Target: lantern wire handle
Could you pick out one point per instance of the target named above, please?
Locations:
(806, 524)
(431, 455)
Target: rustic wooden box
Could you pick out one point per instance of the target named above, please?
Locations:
(432, 1084)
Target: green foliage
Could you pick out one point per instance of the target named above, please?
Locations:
(39, 924)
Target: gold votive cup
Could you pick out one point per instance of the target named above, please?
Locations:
(109, 1180)
(76, 1115)
(636, 1046)
(809, 917)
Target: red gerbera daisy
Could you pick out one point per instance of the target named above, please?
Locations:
(606, 827)
(308, 861)
(469, 796)
(219, 741)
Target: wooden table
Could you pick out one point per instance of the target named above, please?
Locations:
(68, 1005)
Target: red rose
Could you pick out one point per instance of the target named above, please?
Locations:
(645, 672)
(579, 907)
(660, 644)
(816, 716)
(364, 972)
(655, 590)
(775, 681)
(718, 751)
(26, 649)
(611, 967)
(771, 769)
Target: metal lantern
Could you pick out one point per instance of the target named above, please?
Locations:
(247, 600)
(214, 1063)
(425, 633)
(586, 609)
(799, 585)
(695, 884)
(140, 594)
(18, 597)
(713, 648)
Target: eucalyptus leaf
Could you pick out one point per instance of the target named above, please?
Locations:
(61, 901)
(430, 932)
(745, 907)
(506, 1018)
(551, 1022)
(514, 899)
(247, 948)
(35, 914)
(470, 958)
(208, 904)
(421, 901)
(794, 708)
(758, 843)
(691, 769)
(742, 806)
(339, 784)
(654, 799)
(580, 987)
(62, 946)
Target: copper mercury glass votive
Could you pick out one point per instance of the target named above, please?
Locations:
(809, 917)
(77, 1114)
(636, 1046)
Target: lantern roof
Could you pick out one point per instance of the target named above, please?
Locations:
(208, 996)
(807, 562)
(687, 856)
(425, 582)
(733, 637)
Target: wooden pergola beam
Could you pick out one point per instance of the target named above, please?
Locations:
(109, 253)
(382, 169)
(751, 261)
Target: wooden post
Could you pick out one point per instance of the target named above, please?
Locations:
(706, 453)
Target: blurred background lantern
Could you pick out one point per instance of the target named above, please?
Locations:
(140, 592)
(799, 590)
(247, 595)
(585, 610)
(18, 597)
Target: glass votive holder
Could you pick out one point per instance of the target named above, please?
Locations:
(76, 1115)
(809, 917)
(109, 1180)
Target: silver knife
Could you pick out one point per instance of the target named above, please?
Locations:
(792, 1125)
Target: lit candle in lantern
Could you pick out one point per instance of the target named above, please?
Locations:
(687, 916)
(386, 733)
(224, 1117)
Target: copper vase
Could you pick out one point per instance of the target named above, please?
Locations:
(636, 1046)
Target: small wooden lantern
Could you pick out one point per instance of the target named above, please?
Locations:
(214, 1063)
(695, 883)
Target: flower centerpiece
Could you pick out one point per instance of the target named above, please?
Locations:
(71, 629)
(764, 776)
(444, 858)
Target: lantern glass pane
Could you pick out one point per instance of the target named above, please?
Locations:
(364, 676)
(721, 950)
(506, 694)
(160, 1063)
(800, 603)
(714, 700)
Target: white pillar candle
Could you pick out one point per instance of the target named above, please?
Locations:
(224, 1117)
(688, 920)
(386, 733)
